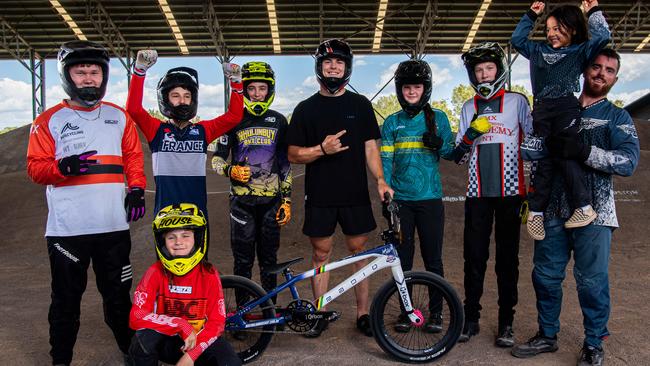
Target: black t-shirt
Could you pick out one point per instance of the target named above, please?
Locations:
(339, 179)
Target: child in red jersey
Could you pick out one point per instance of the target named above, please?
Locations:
(178, 309)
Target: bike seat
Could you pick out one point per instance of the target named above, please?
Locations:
(278, 268)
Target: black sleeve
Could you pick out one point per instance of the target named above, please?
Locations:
(296, 134)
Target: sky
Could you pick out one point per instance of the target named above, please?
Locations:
(295, 81)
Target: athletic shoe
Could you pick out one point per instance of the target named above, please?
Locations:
(403, 324)
(320, 327)
(536, 345)
(470, 329)
(506, 337)
(581, 218)
(591, 356)
(434, 323)
(363, 324)
(535, 226)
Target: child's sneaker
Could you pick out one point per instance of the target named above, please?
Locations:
(535, 226)
(581, 217)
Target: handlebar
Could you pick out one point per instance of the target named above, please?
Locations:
(390, 210)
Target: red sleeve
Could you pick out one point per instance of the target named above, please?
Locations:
(147, 124)
(224, 123)
(216, 314)
(132, 156)
(42, 166)
(142, 314)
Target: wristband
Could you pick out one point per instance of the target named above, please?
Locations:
(322, 149)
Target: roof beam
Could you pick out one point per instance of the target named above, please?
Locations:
(430, 13)
(16, 45)
(629, 24)
(110, 33)
(216, 33)
(273, 22)
(476, 24)
(68, 20)
(379, 28)
(171, 20)
(373, 24)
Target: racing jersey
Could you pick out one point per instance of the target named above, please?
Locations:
(92, 202)
(410, 168)
(176, 305)
(555, 72)
(614, 151)
(178, 155)
(495, 166)
(259, 142)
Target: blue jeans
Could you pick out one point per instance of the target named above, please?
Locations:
(590, 246)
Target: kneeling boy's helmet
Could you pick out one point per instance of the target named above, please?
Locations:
(181, 216)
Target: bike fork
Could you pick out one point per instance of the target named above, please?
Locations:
(415, 315)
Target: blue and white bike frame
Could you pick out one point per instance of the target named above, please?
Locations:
(384, 256)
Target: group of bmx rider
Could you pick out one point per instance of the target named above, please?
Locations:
(85, 150)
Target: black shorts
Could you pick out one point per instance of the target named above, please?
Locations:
(354, 220)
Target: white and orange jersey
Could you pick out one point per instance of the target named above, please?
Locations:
(91, 203)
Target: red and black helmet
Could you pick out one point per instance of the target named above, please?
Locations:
(333, 48)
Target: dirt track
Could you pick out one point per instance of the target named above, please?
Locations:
(25, 277)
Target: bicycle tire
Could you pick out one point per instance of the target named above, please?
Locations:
(255, 340)
(416, 346)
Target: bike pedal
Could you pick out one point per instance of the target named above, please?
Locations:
(334, 317)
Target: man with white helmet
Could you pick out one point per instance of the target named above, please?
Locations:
(82, 149)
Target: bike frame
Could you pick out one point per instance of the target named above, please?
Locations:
(384, 256)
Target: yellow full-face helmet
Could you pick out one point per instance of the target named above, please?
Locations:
(261, 72)
(181, 216)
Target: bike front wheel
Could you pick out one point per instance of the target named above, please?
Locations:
(442, 311)
(249, 343)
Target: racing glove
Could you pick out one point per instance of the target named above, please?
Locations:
(238, 172)
(431, 141)
(568, 148)
(134, 204)
(233, 73)
(77, 164)
(476, 129)
(283, 215)
(144, 60)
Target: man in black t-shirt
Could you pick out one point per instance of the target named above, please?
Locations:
(334, 133)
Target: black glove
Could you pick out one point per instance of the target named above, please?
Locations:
(431, 141)
(568, 148)
(134, 204)
(77, 164)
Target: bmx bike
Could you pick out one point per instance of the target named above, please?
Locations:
(252, 318)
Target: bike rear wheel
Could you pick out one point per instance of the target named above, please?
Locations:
(415, 344)
(248, 343)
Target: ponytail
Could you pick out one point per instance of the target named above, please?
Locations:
(430, 121)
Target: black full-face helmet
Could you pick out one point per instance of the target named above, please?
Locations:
(82, 53)
(486, 52)
(413, 72)
(186, 78)
(333, 48)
